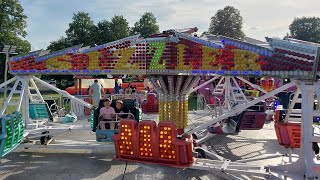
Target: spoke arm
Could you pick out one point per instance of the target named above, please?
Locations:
(8, 82)
(63, 93)
(204, 84)
(241, 107)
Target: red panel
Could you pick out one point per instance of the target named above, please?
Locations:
(151, 105)
(288, 134)
(125, 141)
(294, 132)
(151, 144)
(282, 135)
(87, 111)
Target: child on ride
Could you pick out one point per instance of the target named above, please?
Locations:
(107, 113)
(121, 111)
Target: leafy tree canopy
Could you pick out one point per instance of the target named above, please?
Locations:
(227, 22)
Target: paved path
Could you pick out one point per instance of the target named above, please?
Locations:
(257, 147)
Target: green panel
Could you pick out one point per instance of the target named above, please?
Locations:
(11, 133)
(15, 129)
(21, 126)
(9, 129)
(140, 114)
(3, 135)
(92, 118)
(38, 111)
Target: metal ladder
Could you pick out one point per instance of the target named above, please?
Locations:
(34, 97)
(20, 82)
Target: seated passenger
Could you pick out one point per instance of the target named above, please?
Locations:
(121, 109)
(107, 113)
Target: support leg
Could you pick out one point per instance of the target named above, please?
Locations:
(306, 127)
(25, 103)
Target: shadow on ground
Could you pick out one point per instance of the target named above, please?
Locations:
(53, 165)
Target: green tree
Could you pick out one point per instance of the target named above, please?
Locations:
(81, 29)
(12, 29)
(146, 26)
(306, 29)
(103, 32)
(107, 31)
(59, 44)
(227, 22)
(119, 28)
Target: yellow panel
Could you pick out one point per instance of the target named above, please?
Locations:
(54, 64)
(94, 60)
(207, 58)
(123, 62)
(245, 60)
(180, 59)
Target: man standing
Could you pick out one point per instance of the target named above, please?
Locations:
(95, 92)
(116, 87)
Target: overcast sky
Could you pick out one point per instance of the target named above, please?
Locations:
(48, 19)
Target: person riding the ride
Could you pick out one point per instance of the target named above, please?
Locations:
(107, 114)
(122, 112)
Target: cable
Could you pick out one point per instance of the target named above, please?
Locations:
(125, 169)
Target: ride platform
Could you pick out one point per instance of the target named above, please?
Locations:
(253, 147)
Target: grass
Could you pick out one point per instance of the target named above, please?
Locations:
(15, 98)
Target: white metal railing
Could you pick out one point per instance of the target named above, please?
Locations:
(138, 97)
(79, 109)
(115, 119)
(216, 107)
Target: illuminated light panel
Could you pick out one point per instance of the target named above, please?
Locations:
(155, 61)
(166, 148)
(295, 54)
(177, 54)
(125, 142)
(146, 151)
(145, 146)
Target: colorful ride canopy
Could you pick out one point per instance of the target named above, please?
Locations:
(176, 53)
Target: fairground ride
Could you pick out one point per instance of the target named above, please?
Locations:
(173, 62)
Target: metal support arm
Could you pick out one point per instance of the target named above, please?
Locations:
(253, 85)
(204, 84)
(241, 107)
(8, 82)
(63, 93)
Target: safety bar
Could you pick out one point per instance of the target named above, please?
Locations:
(116, 121)
(123, 96)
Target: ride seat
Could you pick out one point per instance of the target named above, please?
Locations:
(288, 134)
